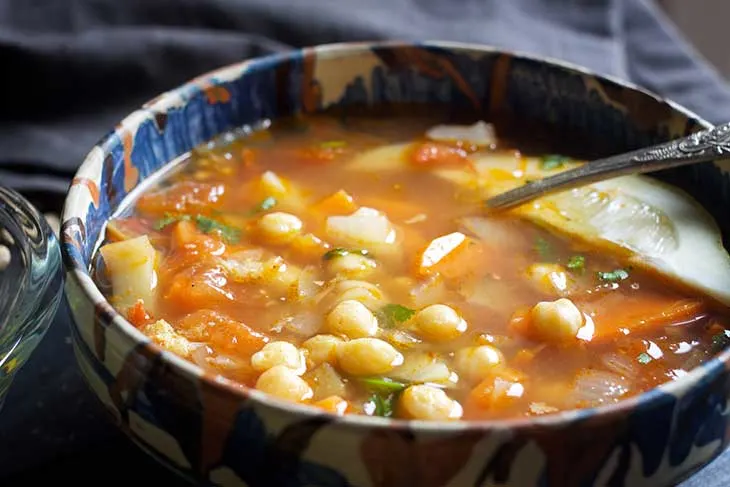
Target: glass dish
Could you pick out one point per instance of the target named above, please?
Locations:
(31, 283)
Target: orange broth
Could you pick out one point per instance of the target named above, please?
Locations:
(226, 286)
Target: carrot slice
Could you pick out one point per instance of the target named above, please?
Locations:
(222, 332)
(339, 203)
(333, 404)
(137, 314)
(454, 256)
(497, 391)
(616, 315)
(430, 154)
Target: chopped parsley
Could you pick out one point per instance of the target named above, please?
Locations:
(720, 341)
(384, 404)
(576, 263)
(383, 385)
(613, 276)
(393, 314)
(267, 204)
(333, 144)
(644, 358)
(264, 205)
(553, 161)
(169, 220)
(340, 252)
(204, 224)
(543, 248)
(208, 225)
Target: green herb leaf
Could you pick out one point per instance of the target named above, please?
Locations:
(613, 276)
(333, 144)
(543, 248)
(264, 205)
(720, 341)
(644, 358)
(169, 220)
(392, 314)
(577, 263)
(383, 385)
(267, 204)
(340, 252)
(384, 404)
(553, 161)
(208, 225)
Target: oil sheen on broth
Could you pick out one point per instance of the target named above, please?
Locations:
(349, 266)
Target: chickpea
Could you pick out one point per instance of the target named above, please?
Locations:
(279, 227)
(322, 348)
(549, 278)
(283, 382)
(281, 278)
(352, 266)
(475, 363)
(352, 319)
(366, 293)
(428, 402)
(279, 353)
(439, 322)
(368, 356)
(556, 321)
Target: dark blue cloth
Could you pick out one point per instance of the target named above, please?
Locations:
(71, 69)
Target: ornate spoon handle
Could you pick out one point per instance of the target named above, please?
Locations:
(703, 146)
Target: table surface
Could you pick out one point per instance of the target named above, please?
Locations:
(54, 430)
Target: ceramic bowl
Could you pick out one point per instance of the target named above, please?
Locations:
(213, 432)
(31, 282)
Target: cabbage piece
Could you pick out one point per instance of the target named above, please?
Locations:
(480, 134)
(365, 228)
(131, 266)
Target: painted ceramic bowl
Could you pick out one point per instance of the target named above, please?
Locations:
(215, 433)
(31, 282)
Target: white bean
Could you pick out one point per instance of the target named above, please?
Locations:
(475, 363)
(322, 348)
(283, 382)
(556, 321)
(439, 322)
(352, 266)
(428, 402)
(352, 319)
(279, 353)
(279, 227)
(368, 356)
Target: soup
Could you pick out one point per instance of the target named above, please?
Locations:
(350, 266)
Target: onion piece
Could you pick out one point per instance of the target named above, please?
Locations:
(428, 291)
(365, 228)
(480, 134)
(303, 325)
(620, 364)
(595, 387)
(495, 232)
(244, 266)
(307, 286)
(422, 367)
(200, 355)
(400, 339)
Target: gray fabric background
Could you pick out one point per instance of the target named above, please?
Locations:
(72, 68)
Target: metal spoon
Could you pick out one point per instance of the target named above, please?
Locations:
(703, 146)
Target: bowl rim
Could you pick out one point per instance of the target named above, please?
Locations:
(170, 99)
